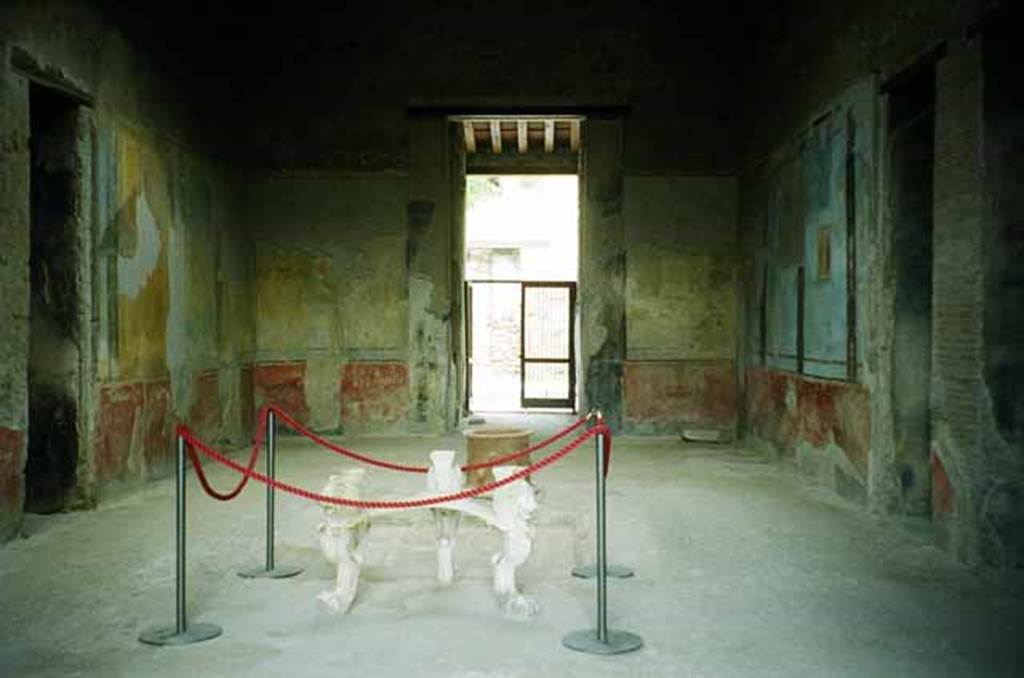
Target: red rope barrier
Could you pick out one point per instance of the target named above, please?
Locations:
(195, 444)
(261, 431)
(257, 445)
(296, 426)
(323, 442)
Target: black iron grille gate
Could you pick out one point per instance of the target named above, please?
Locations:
(546, 356)
(545, 337)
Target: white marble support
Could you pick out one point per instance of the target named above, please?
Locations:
(444, 477)
(341, 532)
(446, 523)
(510, 510)
(514, 505)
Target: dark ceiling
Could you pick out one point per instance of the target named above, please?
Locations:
(293, 66)
(236, 43)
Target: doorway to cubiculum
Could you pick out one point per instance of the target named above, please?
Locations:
(911, 160)
(55, 333)
(521, 262)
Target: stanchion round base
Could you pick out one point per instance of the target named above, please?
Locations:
(590, 571)
(587, 641)
(168, 635)
(279, 572)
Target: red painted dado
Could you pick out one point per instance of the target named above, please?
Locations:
(374, 393)
(943, 497)
(119, 409)
(133, 429)
(789, 409)
(695, 394)
(281, 384)
(12, 443)
(158, 430)
(247, 401)
(205, 413)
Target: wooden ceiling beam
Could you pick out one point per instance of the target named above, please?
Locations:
(551, 130)
(495, 137)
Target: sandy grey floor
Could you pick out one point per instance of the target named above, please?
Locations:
(741, 571)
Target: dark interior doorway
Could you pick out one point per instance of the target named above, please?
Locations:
(911, 160)
(51, 466)
(1004, 251)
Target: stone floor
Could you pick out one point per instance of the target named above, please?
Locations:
(740, 571)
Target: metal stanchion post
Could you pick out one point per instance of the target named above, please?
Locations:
(590, 571)
(602, 640)
(270, 570)
(182, 633)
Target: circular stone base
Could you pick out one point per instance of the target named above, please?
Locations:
(590, 571)
(168, 635)
(279, 572)
(587, 641)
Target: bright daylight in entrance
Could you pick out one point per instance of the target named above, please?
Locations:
(521, 266)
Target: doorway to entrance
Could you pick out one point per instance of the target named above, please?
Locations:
(521, 264)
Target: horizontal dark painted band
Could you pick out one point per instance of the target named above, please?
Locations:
(826, 361)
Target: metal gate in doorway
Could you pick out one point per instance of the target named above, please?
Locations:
(520, 337)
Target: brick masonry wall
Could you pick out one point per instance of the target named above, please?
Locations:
(977, 488)
(979, 475)
(958, 300)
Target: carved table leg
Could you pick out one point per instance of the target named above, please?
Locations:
(444, 477)
(513, 506)
(341, 545)
(341, 533)
(446, 523)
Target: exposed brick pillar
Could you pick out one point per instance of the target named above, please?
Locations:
(958, 299)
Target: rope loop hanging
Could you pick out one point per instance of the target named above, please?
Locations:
(196, 447)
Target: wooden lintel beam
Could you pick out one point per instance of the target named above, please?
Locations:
(495, 137)
(524, 142)
(467, 130)
(549, 136)
(574, 136)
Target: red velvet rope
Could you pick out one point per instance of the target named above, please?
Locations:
(261, 430)
(257, 445)
(323, 442)
(193, 444)
(294, 424)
